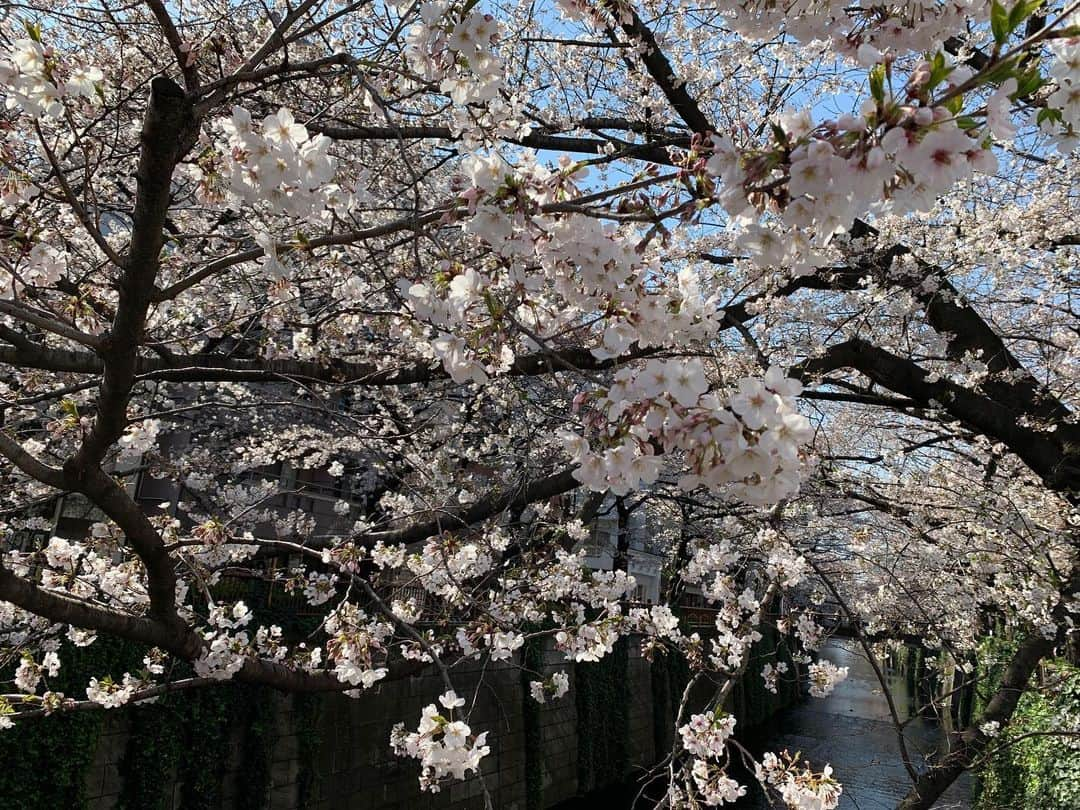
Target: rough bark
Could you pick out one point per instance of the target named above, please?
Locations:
(967, 747)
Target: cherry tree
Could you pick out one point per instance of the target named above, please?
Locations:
(801, 276)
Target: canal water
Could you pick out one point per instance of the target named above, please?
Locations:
(850, 730)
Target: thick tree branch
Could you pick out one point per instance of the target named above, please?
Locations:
(659, 67)
(1054, 456)
(63, 609)
(176, 44)
(14, 453)
(168, 129)
(651, 152)
(454, 518)
(967, 747)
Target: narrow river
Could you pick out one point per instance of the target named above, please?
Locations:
(852, 730)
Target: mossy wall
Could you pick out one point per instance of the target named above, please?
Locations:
(237, 747)
(1032, 767)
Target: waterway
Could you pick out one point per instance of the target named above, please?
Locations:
(851, 730)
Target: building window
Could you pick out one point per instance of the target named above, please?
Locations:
(599, 539)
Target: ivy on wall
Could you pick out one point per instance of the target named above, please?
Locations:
(663, 707)
(1041, 771)
(308, 710)
(152, 754)
(603, 717)
(46, 760)
(532, 662)
(185, 741)
(181, 744)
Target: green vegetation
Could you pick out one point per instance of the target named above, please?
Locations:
(47, 760)
(182, 741)
(1029, 766)
(603, 710)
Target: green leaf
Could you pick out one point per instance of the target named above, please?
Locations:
(780, 135)
(1021, 11)
(939, 70)
(1028, 82)
(877, 83)
(1000, 72)
(999, 22)
(955, 104)
(1048, 114)
(493, 307)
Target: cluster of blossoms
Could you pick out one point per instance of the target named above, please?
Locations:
(708, 565)
(139, 438)
(1065, 71)
(888, 35)
(277, 164)
(738, 612)
(42, 266)
(225, 651)
(836, 171)
(86, 570)
(713, 784)
(824, 676)
(29, 673)
(444, 746)
(579, 268)
(809, 632)
(385, 556)
(771, 674)
(556, 686)
(348, 556)
(269, 644)
(568, 579)
(590, 641)
(784, 565)
(319, 588)
(899, 153)
(444, 563)
(656, 622)
(705, 738)
(736, 627)
(355, 644)
(502, 644)
(857, 35)
(991, 728)
(36, 79)
(799, 787)
(456, 48)
(110, 694)
(750, 444)
(706, 735)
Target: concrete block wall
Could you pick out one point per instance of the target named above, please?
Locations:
(355, 769)
(642, 740)
(103, 775)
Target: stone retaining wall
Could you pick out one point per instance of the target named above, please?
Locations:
(355, 769)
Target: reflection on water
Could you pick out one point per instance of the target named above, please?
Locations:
(853, 731)
(850, 730)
